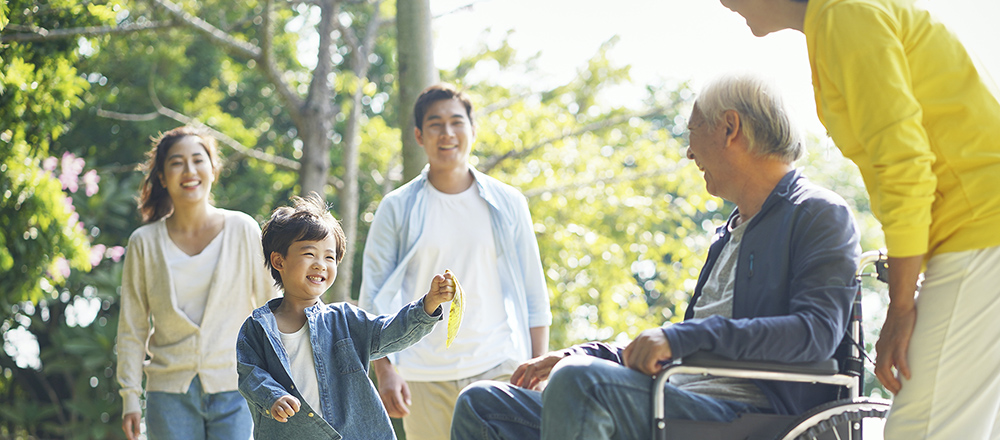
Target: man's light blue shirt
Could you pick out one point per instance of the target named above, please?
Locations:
(399, 225)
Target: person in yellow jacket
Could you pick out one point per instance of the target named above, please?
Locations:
(902, 98)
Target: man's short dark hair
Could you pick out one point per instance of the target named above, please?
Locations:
(439, 92)
(308, 219)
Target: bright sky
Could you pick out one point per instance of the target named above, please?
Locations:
(672, 39)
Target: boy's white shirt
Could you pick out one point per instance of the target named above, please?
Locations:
(302, 364)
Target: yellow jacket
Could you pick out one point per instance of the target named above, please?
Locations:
(901, 98)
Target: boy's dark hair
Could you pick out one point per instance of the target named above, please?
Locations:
(308, 219)
(440, 92)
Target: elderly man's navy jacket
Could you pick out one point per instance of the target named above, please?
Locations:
(792, 295)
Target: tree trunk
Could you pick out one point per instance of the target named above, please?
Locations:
(349, 199)
(314, 125)
(350, 195)
(415, 46)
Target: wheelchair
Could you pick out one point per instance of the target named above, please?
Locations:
(839, 419)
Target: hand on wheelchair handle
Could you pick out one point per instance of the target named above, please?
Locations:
(648, 352)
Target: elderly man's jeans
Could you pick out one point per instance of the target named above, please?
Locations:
(586, 398)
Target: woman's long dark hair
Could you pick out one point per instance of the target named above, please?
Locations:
(154, 200)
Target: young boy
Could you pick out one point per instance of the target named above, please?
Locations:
(302, 364)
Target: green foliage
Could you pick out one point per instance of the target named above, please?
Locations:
(48, 385)
(621, 216)
(71, 393)
(40, 89)
(41, 233)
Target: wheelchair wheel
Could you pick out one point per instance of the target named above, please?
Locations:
(841, 420)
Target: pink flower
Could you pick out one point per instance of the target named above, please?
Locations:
(116, 253)
(50, 164)
(90, 181)
(69, 182)
(97, 254)
(62, 267)
(71, 167)
(71, 164)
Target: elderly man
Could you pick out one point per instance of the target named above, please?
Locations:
(777, 286)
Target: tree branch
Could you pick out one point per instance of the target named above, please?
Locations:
(161, 110)
(607, 180)
(243, 48)
(501, 104)
(41, 34)
(318, 87)
(291, 98)
(490, 162)
(466, 7)
(131, 117)
(215, 34)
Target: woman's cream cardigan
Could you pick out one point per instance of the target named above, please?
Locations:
(156, 337)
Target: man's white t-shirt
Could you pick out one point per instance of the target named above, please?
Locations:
(458, 236)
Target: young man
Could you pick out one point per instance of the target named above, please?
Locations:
(452, 216)
(777, 286)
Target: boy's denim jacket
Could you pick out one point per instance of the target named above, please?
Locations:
(344, 339)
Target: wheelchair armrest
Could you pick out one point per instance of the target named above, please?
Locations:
(825, 372)
(710, 360)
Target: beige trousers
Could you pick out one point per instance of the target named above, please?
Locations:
(954, 355)
(433, 403)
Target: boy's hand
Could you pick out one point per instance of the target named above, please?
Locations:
(442, 290)
(285, 407)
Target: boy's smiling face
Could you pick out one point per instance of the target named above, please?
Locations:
(309, 268)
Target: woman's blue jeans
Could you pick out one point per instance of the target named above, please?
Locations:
(196, 415)
(586, 398)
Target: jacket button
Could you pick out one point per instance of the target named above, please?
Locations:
(292, 387)
(310, 414)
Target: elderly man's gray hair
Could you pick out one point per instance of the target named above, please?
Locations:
(763, 116)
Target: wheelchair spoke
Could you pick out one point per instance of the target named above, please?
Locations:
(828, 420)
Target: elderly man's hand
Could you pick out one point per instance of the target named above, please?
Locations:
(533, 373)
(648, 352)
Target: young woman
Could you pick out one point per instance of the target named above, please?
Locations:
(902, 98)
(192, 274)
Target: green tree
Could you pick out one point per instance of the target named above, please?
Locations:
(618, 214)
(54, 316)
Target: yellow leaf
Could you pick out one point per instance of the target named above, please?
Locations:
(456, 311)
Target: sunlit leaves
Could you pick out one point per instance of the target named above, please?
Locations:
(618, 209)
